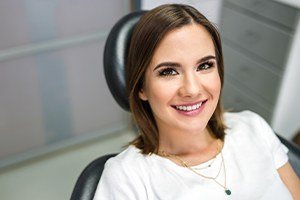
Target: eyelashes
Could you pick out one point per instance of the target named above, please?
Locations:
(205, 66)
(171, 71)
(167, 72)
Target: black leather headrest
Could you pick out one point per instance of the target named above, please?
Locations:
(115, 54)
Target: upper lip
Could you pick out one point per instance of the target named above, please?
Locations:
(190, 104)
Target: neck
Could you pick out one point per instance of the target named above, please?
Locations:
(183, 143)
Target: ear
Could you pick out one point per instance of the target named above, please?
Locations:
(143, 95)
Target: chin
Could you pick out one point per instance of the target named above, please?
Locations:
(195, 127)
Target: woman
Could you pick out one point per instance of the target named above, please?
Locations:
(187, 147)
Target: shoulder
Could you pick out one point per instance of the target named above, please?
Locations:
(130, 155)
(128, 160)
(243, 119)
(126, 167)
(121, 178)
(245, 116)
(248, 127)
(248, 122)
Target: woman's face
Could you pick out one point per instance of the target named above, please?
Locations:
(182, 84)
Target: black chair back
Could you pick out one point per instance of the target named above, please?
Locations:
(115, 54)
(88, 180)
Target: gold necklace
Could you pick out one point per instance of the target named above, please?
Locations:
(210, 164)
(183, 164)
(205, 167)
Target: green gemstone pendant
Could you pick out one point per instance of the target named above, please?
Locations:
(228, 192)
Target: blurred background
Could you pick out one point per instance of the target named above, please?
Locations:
(57, 114)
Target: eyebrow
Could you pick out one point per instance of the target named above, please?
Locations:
(174, 64)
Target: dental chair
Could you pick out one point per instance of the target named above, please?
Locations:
(115, 53)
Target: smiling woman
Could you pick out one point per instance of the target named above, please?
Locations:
(182, 80)
(187, 147)
(157, 51)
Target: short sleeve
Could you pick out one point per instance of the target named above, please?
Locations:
(118, 182)
(278, 150)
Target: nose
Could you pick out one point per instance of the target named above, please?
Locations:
(190, 86)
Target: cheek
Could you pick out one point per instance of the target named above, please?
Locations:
(160, 92)
(214, 85)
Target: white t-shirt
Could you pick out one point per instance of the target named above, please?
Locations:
(252, 154)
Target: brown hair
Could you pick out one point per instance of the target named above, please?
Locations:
(148, 33)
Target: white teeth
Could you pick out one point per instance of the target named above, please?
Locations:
(189, 108)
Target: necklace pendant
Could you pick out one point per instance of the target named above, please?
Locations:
(228, 192)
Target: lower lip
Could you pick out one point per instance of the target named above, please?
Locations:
(192, 112)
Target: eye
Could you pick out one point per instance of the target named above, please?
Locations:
(167, 72)
(205, 66)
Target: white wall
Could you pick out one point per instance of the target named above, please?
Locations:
(286, 120)
(52, 85)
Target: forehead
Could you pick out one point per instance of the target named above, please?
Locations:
(191, 41)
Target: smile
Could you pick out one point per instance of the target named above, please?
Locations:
(189, 108)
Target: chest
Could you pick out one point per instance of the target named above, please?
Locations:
(249, 174)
